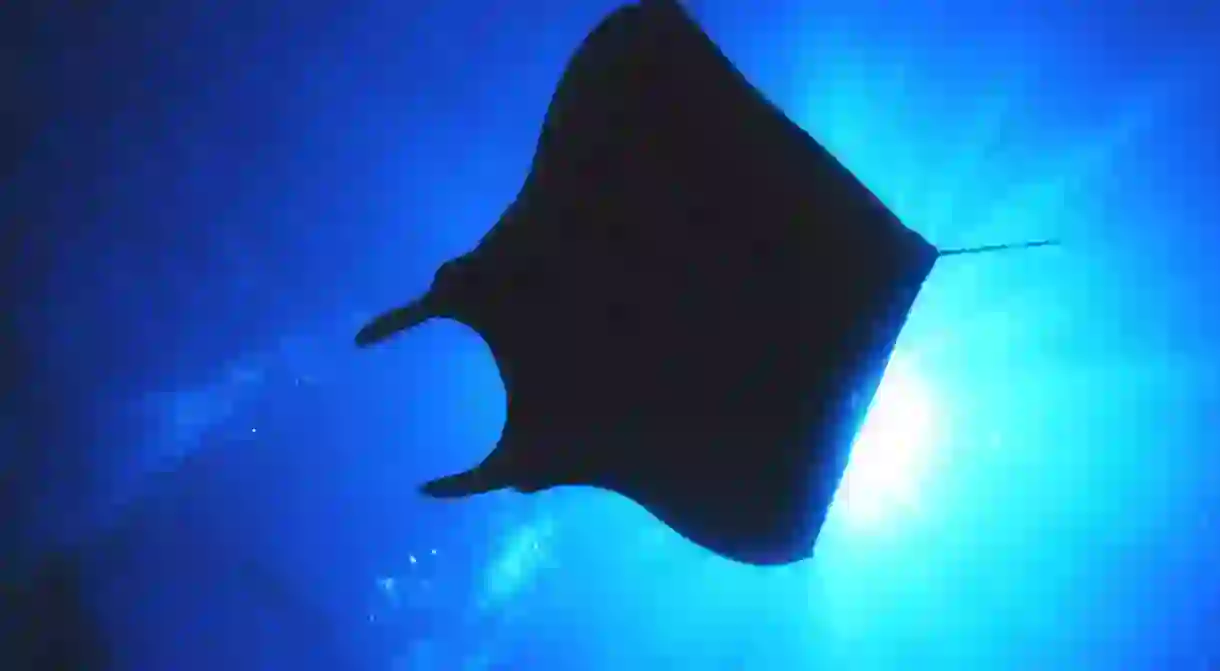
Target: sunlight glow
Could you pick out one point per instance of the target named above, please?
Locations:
(523, 555)
(891, 453)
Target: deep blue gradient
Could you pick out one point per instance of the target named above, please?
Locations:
(214, 196)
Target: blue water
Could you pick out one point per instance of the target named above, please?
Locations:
(218, 193)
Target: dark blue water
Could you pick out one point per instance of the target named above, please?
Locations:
(209, 197)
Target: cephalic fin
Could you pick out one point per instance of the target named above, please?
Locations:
(484, 478)
(391, 322)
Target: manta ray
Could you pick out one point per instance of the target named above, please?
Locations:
(690, 301)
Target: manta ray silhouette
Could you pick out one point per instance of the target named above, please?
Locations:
(690, 301)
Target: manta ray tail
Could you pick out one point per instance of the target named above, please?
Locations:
(998, 248)
(391, 322)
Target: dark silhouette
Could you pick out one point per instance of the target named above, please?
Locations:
(691, 302)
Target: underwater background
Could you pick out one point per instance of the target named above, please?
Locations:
(202, 201)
